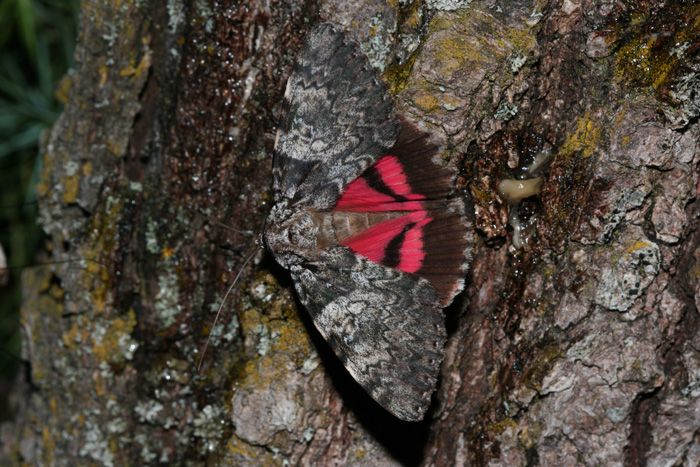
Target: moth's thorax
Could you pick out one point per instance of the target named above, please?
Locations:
(290, 235)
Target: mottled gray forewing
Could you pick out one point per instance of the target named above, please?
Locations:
(384, 325)
(337, 120)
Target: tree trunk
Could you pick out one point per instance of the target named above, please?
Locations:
(580, 347)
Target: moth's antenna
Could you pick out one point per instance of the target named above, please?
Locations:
(248, 233)
(201, 359)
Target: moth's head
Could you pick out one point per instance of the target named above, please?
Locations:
(290, 235)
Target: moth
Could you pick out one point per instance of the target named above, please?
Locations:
(365, 223)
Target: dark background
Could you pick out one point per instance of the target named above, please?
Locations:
(37, 39)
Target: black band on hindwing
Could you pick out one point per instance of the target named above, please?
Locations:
(392, 255)
(374, 180)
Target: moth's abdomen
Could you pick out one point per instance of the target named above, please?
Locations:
(337, 226)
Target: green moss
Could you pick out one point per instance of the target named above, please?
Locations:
(501, 426)
(540, 365)
(482, 197)
(638, 369)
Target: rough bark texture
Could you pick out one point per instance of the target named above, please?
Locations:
(583, 347)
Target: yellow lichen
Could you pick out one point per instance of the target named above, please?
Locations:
(397, 75)
(637, 245)
(412, 18)
(455, 51)
(102, 71)
(87, 168)
(109, 349)
(288, 343)
(650, 60)
(71, 338)
(585, 137)
(239, 448)
(100, 384)
(696, 271)
(503, 425)
(426, 102)
(62, 92)
(70, 189)
(139, 70)
(49, 445)
(482, 197)
(530, 436)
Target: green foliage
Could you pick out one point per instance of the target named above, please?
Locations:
(37, 39)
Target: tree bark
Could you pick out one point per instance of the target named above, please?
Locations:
(581, 347)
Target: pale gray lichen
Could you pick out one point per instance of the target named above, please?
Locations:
(176, 14)
(127, 346)
(623, 281)
(72, 168)
(517, 61)
(506, 111)
(215, 335)
(679, 51)
(627, 201)
(111, 36)
(146, 453)
(262, 292)
(164, 456)
(308, 434)
(617, 414)
(96, 446)
(447, 5)
(534, 18)
(377, 47)
(147, 411)
(687, 93)
(208, 425)
(113, 407)
(691, 361)
(266, 339)
(233, 329)
(151, 239)
(135, 186)
(167, 300)
(116, 426)
(106, 371)
(207, 14)
(310, 364)
(449, 106)
(229, 331)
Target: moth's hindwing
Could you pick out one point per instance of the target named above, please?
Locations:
(385, 325)
(337, 120)
(431, 236)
